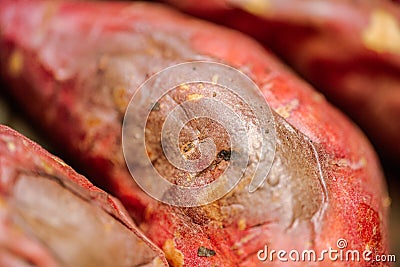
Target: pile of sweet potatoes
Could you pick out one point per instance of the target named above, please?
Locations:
(73, 68)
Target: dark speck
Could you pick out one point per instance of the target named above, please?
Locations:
(205, 252)
(155, 107)
(224, 154)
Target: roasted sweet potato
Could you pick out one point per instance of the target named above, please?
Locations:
(51, 216)
(348, 49)
(74, 68)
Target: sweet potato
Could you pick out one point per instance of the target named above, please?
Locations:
(51, 216)
(75, 66)
(348, 49)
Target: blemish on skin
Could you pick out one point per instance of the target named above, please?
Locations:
(224, 154)
(2, 203)
(194, 97)
(11, 147)
(287, 109)
(256, 7)
(243, 241)
(387, 201)
(157, 262)
(184, 87)
(47, 168)
(205, 252)
(93, 122)
(383, 33)
(242, 224)
(347, 163)
(15, 63)
(318, 97)
(174, 256)
(215, 78)
(103, 62)
(155, 107)
(186, 148)
(62, 163)
(119, 98)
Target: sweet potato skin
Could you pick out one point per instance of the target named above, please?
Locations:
(33, 184)
(77, 61)
(346, 49)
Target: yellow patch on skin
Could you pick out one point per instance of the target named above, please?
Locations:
(174, 256)
(200, 86)
(287, 109)
(215, 79)
(157, 262)
(60, 161)
(103, 62)
(15, 63)
(318, 97)
(184, 87)
(194, 97)
(93, 122)
(383, 33)
(387, 201)
(11, 146)
(243, 241)
(47, 168)
(119, 97)
(2, 203)
(242, 224)
(256, 7)
(213, 212)
(361, 163)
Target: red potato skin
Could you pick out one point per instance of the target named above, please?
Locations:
(339, 46)
(358, 201)
(21, 157)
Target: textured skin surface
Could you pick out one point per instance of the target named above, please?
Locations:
(74, 67)
(348, 49)
(37, 191)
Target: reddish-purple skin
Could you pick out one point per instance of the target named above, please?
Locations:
(74, 67)
(24, 163)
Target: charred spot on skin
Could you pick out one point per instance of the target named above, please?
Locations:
(205, 252)
(155, 107)
(224, 155)
(187, 147)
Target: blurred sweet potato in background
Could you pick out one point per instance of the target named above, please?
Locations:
(73, 67)
(51, 216)
(350, 50)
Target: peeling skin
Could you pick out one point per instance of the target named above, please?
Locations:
(36, 195)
